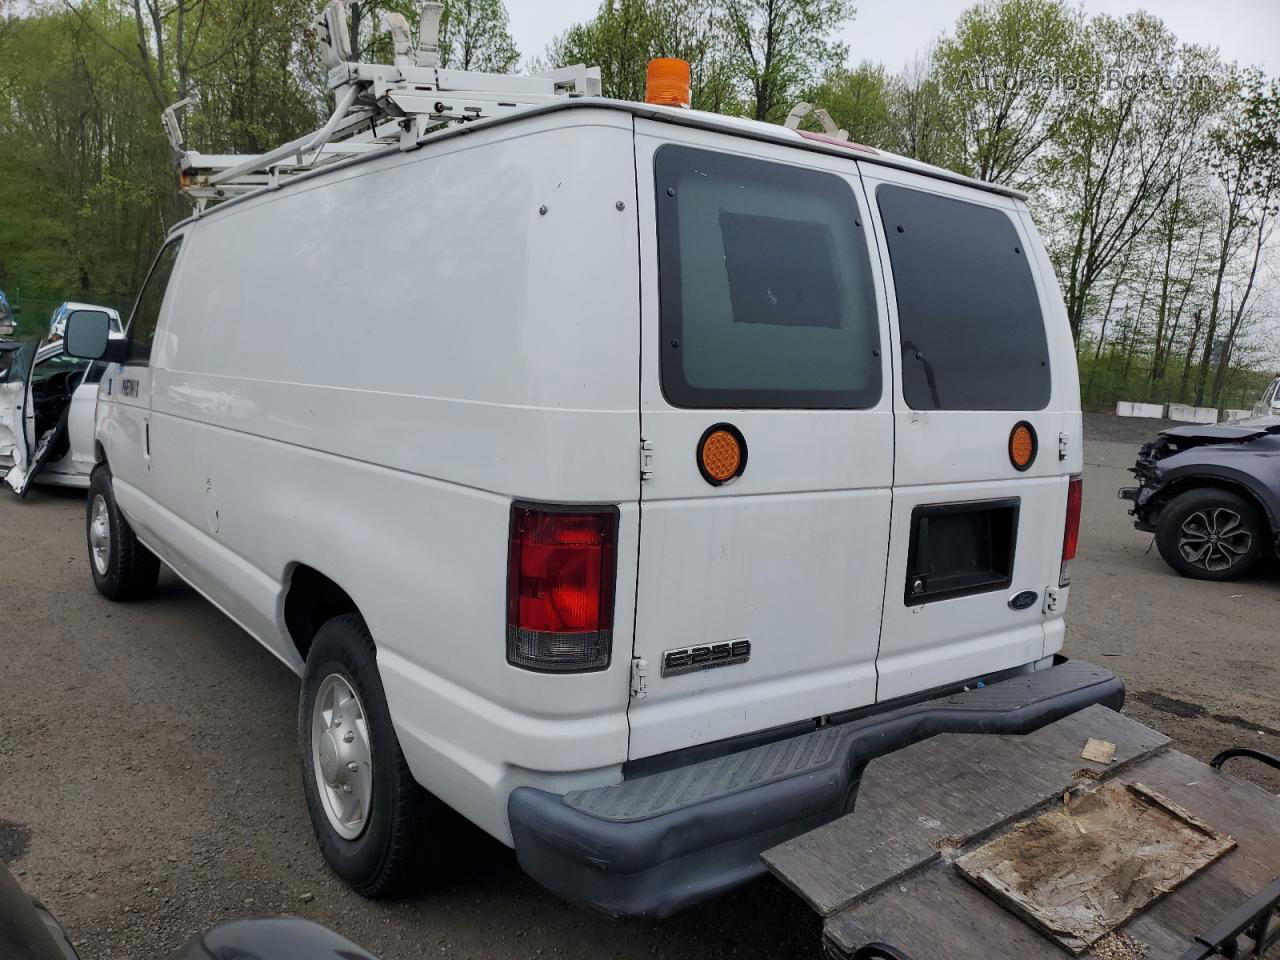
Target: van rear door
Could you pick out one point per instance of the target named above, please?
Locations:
(762, 565)
(976, 540)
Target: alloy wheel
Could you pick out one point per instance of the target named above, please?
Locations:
(1214, 539)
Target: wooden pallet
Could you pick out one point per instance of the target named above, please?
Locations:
(886, 872)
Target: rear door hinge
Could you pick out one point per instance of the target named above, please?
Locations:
(646, 459)
(1052, 600)
(1064, 444)
(639, 674)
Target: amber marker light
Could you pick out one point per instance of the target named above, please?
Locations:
(722, 454)
(1022, 445)
(667, 82)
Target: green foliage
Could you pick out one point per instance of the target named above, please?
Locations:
(779, 47)
(626, 34)
(84, 183)
(1114, 376)
(1005, 73)
(474, 36)
(860, 101)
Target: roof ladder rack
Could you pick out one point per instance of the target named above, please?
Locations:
(376, 105)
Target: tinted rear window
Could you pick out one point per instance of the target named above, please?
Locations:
(968, 314)
(765, 285)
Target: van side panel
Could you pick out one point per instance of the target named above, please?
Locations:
(361, 372)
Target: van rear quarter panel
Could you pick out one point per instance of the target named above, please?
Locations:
(360, 372)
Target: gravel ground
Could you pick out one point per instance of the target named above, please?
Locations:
(150, 785)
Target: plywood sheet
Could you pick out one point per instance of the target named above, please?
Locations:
(934, 912)
(943, 793)
(1082, 869)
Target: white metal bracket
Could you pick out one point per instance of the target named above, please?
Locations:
(639, 675)
(646, 459)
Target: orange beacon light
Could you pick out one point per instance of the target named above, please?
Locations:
(667, 82)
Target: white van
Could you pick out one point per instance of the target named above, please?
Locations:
(624, 476)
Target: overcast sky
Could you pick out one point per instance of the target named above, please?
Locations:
(893, 31)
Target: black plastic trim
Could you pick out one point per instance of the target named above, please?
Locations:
(918, 544)
(659, 865)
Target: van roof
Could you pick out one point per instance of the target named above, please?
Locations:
(734, 126)
(776, 133)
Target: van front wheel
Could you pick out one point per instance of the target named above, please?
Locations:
(366, 809)
(123, 569)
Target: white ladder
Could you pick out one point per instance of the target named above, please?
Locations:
(375, 105)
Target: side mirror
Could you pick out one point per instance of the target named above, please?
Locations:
(87, 334)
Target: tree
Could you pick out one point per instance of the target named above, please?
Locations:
(474, 35)
(779, 47)
(921, 115)
(1143, 105)
(1246, 161)
(1003, 74)
(859, 101)
(1183, 228)
(626, 34)
(85, 180)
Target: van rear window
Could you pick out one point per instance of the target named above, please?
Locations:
(766, 296)
(968, 313)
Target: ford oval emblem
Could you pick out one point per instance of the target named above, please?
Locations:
(1023, 600)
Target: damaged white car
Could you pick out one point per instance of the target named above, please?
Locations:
(47, 402)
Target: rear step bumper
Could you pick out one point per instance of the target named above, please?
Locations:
(653, 845)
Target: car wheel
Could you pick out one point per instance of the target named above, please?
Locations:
(367, 811)
(123, 569)
(1211, 534)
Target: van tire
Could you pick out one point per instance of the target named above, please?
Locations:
(1183, 520)
(380, 860)
(123, 569)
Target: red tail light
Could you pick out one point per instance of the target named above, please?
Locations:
(1071, 534)
(561, 570)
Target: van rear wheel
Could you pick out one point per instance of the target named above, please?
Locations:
(366, 809)
(123, 569)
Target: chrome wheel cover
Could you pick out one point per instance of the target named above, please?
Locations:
(1214, 539)
(100, 535)
(341, 756)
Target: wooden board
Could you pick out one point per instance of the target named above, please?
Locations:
(933, 912)
(1085, 867)
(946, 792)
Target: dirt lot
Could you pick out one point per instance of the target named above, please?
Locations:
(150, 786)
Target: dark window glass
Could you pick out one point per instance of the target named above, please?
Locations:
(95, 372)
(968, 314)
(146, 312)
(58, 365)
(765, 285)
